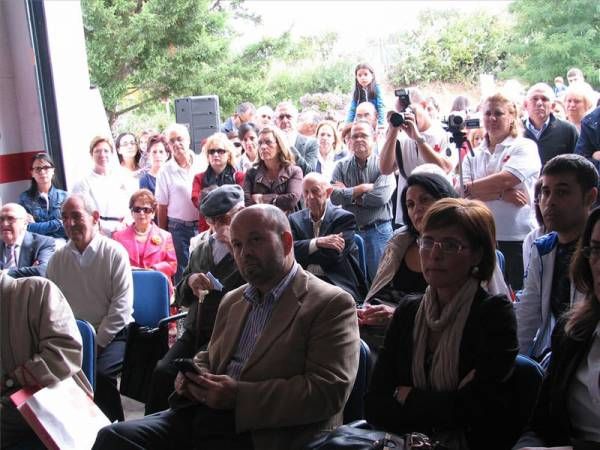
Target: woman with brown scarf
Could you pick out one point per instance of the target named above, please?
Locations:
(446, 356)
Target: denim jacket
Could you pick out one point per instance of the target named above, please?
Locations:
(47, 221)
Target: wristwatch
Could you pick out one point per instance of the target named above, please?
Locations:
(420, 140)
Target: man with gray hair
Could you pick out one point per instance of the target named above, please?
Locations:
(305, 149)
(22, 254)
(417, 141)
(94, 274)
(552, 135)
(244, 113)
(210, 274)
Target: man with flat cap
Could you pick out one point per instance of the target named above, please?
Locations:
(210, 263)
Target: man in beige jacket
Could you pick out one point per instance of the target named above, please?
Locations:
(40, 345)
(280, 363)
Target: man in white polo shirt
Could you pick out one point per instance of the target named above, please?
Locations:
(94, 274)
(176, 212)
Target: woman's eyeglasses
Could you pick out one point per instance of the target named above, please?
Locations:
(42, 169)
(140, 209)
(591, 252)
(214, 151)
(449, 247)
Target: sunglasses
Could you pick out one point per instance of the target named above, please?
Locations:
(284, 116)
(144, 209)
(237, 144)
(220, 151)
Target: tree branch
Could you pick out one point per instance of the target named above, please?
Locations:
(137, 105)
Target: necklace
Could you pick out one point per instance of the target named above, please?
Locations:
(141, 233)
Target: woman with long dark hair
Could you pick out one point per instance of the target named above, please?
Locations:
(42, 200)
(567, 414)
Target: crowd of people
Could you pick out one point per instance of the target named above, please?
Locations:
(288, 242)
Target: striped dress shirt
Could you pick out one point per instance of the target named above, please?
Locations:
(257, 320)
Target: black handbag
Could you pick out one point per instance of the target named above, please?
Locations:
(359, 436)
(145, 347)
(350, 437)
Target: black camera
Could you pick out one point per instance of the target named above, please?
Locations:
(458, 121)
(403, 97)
(398, 118)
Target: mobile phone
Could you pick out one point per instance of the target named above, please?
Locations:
(184, 365)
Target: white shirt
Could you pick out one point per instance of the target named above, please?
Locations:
(583, 401)
(519, 157)
(110, 194)
(174, 188)
(97, 284)
(439, 140)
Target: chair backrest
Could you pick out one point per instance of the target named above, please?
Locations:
(150, 297)
(527, 380)
(355, 406)
(88, 338)
(362, 259)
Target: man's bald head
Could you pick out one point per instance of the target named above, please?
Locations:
(262, 244)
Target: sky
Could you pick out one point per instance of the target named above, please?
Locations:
(355, 21)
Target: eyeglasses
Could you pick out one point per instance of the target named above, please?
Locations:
(10, 219)
(42, 169)
(140, 209)
(592, 252)
(266, 142)
(284, 116)
(213, 151)
(448, 246)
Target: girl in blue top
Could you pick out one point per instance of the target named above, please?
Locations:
(366, 89)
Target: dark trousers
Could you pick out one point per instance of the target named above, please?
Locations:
(163, 376)
(513, 258)
(187, 428)
(16, 433)
(109, 363)
(182, 234)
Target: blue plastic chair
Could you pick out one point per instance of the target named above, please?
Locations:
(150, 297)
(355, 406)
(88, 337)
(362, 259)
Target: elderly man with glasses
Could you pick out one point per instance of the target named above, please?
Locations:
(24, 254)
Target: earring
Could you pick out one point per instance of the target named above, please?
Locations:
(474, 271)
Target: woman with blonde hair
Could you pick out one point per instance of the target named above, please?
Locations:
(330, 148)
(579, 100)
(219, 152)
(502, 173)
(275, 179)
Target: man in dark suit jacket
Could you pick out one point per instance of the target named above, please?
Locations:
(305, 149)
(324, 238)
(22, 253)
(280, 364)
(552, 136)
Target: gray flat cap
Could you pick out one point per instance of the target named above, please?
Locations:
(220, 200)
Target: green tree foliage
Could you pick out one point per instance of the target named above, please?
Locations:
(551, 36)
(142, 50)
(448, 46)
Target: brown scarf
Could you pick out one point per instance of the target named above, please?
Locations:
(450, 321)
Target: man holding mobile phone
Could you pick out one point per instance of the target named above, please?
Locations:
(280, 364)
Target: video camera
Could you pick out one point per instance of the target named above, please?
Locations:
(458, 121)
(398, 118)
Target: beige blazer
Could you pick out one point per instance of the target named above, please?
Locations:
(303, 367)
(41, 344)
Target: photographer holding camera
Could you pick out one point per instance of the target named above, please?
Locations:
(423, 141)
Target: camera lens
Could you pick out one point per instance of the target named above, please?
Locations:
(397, 119)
